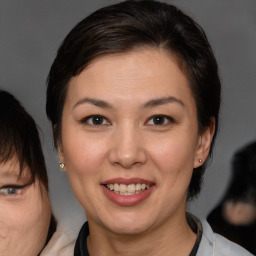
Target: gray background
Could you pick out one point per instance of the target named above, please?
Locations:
(31, 31)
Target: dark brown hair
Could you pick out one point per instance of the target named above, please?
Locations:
(129, 25)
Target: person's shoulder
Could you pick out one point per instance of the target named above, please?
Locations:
(62, 243)
(217, 245)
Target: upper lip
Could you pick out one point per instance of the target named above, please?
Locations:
(126, 181)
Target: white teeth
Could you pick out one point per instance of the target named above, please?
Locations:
(111, 186)
(116, 187)
(122, 188)
(130, 189)
(138, 186)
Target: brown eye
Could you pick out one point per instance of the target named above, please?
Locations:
(160, 120)
(96, 120)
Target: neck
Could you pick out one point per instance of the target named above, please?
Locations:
(173, 237)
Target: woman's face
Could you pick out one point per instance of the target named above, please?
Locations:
(24, 212)
(130, 140)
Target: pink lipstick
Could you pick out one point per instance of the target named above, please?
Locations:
(127, 192)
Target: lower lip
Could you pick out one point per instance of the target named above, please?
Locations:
(127, 200)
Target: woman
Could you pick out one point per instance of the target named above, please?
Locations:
(235, 216)
(133, 96)
(26, 223)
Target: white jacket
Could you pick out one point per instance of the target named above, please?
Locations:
(213, 244)
(62, 243)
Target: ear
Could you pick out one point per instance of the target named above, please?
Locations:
(204, 144)
(60, 152)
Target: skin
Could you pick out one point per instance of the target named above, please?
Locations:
(239, 213)
(24, 212)
(129, 144)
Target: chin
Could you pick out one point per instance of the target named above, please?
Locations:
(128, 230)
(128, 225)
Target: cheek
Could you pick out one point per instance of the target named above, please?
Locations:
(174, 154)
(6, 222)
(174, 160)
(15, 216)
(18, 222)
(84, 157)
(84, 154)
(23, 217)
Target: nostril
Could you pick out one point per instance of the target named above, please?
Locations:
(127, 148)
(127, 160)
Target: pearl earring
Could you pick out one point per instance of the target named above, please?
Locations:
(62, 165)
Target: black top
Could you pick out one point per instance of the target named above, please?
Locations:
(81, 244)
(244, 235)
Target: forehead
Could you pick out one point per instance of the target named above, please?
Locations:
(151, 70)
(11, 169)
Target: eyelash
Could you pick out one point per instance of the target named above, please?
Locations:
(11, 190)
(90, 120)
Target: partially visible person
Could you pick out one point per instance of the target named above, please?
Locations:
(26, 222)
(235, 216)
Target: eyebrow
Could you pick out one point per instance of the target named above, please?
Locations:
(163, 101)
(148, 104)
(95, 102)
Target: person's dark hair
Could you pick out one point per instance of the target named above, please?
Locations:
(131, 25)
(242, 186)
(19, 136)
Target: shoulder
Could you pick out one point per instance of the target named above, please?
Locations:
(62, 243)
(217, 245)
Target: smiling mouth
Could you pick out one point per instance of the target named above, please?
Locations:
(127, 190)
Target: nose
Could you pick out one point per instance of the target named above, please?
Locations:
(127, 148)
